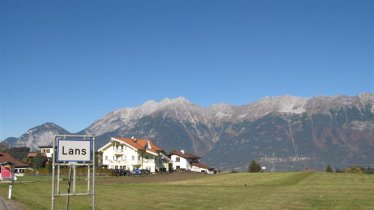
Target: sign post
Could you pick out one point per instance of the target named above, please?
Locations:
(73, 151)
(7, 173)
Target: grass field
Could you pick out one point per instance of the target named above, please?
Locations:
(296, 190)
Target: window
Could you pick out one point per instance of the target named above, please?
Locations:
(139, 157)
(178, 159)
(114, 158)
(106, 157)
(124, 158)
(48, 150)
(146, 157)
(133, 157)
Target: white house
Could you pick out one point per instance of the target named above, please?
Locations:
(183, 160)
(189, 162)
(132, 153)
(47, 151)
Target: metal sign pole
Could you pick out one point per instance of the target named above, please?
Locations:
(58, 179)
(53, 174)
(93, 173)
(69, 184)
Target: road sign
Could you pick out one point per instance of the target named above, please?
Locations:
(6, 172)
(72, 150)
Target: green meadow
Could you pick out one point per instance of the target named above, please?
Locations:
(291, 190)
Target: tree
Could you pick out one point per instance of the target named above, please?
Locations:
(38, 161)
(329, 168)
(254, 167)
(48, 165)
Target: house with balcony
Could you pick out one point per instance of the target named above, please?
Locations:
(133, 153)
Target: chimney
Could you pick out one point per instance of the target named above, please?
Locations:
(182, 151)
(149, 145)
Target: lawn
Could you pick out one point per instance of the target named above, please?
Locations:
(294, 190)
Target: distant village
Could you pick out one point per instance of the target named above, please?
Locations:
(123, 156)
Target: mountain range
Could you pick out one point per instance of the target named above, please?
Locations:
(282, 132)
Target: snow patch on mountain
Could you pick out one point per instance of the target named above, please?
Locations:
(184, 111)
(127, 117)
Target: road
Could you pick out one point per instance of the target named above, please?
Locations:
(2, 204)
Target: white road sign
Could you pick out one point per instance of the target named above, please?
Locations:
(74, 151)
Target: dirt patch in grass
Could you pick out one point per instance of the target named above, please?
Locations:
(152, 178)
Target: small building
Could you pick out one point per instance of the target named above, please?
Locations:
(47, 151)
(201, 167)
(186, 161)
(183, 160)
(19, 166)
(133, 153)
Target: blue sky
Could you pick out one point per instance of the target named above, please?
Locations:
(70, 62)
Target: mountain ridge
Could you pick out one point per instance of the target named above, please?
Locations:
(304, 128)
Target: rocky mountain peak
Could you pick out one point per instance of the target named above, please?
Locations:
(366, 98)
(37, 136)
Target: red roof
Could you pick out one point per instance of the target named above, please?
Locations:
(141, 144)
(5, 157)
(34, 154)
(185, 155)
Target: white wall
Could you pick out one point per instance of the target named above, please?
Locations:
(47, 151)
(125, 157)
(183, 163)
(129, 158)
(198, 169)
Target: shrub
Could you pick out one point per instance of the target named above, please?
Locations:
(254, 167)
(329, 169)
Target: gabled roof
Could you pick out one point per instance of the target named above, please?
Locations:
(5, 157)
(138, 144)
(185, 155)
(201, 165)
